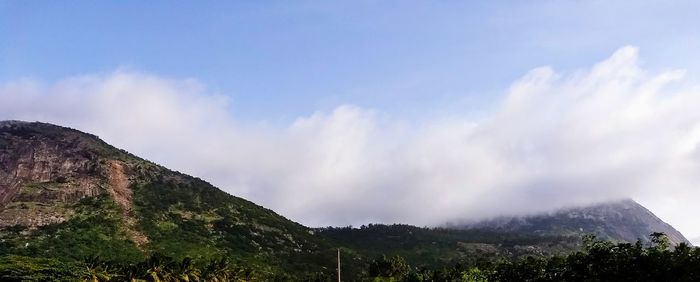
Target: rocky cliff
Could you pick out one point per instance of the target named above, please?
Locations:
(43, 170)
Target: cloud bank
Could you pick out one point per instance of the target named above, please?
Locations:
(610, 131)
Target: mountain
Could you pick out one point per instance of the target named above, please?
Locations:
(68, 194)
(623, 220)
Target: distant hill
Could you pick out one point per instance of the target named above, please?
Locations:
(435, 247)
(623, 220)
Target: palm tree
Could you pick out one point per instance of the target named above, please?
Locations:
(186, 272)
(244, 275)
(158, 268)
(217, 270)
(133, 272)
(96, 270)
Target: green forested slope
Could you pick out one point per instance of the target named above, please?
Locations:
(97, 200)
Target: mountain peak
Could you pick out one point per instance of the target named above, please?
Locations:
(620, 220)
(4, 123)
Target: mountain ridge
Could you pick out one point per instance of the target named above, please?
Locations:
(619, 220)
(68, 194)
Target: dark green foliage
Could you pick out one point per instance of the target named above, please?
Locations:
(599, 261)
(389, 267)
(380, 238)
(438, 247)
(155, 268)
(16, 268)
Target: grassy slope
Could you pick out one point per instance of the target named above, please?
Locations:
(192, 218)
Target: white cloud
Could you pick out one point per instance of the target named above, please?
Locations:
(612, 131)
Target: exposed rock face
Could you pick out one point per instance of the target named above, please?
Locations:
(119, 188)
(44, 169)
(41, 169)
(623, 220)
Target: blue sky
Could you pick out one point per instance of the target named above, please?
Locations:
(336, 106)
(280, 59)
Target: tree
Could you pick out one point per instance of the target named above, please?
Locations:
(394, 267)
(96, 270)
(186, 271)
(660, 241)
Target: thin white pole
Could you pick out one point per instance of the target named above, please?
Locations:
(338, 265)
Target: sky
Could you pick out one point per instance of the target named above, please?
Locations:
(351, 112)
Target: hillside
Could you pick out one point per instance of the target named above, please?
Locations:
(623, 220)
(442, 246)
(67, 194)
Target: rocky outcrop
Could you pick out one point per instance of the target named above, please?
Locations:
(43, 169)
(119, 188)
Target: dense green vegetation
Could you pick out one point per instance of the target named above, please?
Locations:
(438, 246)
(94, 229)
(155, 268)
(182, 219)
(597, 261)
(186, 217)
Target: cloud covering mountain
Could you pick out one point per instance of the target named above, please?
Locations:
(611, 131)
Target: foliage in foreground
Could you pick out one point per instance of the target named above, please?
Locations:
(155, 268)
(599, 261)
